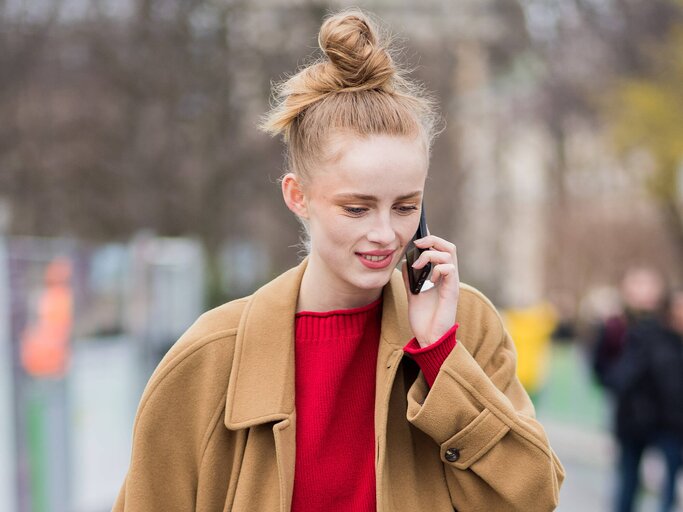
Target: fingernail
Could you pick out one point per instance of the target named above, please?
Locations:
(414, 263)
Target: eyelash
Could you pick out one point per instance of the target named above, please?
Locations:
(359, 211)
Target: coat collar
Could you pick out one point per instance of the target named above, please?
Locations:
(261, 386)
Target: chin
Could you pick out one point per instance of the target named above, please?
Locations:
(374, 280)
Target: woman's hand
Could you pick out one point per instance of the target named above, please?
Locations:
(432, 312)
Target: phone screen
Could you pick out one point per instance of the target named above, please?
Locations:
(417, 276)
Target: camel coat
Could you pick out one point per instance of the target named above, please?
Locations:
(215, 428)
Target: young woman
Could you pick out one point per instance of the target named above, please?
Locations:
(333, 387)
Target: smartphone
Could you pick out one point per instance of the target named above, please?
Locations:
(417, 276)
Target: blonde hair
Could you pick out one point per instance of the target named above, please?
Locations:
(355, 87)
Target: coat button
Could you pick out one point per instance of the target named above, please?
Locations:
(452, 454)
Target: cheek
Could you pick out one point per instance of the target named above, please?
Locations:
(348, 233)
(337, 231)
(408, 234)
(408, 230)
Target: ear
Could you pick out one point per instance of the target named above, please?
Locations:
(293, 193)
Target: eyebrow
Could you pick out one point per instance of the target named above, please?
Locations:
(365, 197)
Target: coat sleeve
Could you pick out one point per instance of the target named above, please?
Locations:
(491, 445)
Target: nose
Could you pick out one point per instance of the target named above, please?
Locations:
(382, 231)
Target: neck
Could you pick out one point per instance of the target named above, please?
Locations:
(321, 290)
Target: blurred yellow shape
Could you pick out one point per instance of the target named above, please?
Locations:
(531, 329)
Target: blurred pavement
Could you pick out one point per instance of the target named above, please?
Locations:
(587, 456)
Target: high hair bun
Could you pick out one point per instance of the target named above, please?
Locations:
(357, 60)
(355, 86)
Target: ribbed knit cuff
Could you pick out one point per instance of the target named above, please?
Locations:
(431, 357)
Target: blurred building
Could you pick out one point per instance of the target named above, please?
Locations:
(68, 395)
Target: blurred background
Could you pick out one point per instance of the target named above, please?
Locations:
(136, 192)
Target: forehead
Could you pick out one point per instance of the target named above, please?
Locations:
(382, 166)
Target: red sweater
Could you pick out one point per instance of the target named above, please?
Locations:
(336, 357)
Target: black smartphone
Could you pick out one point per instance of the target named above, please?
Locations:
(417, 276)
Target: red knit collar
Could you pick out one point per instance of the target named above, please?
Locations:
(349, 311)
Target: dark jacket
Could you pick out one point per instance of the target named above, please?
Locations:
(608, 345)
(647, 381)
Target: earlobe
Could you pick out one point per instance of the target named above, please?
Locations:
(293, 194)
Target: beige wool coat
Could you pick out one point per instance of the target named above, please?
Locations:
(215, 428)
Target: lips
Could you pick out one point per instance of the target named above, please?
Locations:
(383, 263)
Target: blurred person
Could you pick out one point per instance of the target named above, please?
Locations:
(45, 347)
(641, 293)
(647, 382)
(334, 387)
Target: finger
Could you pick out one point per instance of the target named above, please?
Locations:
(431, 241)
(444, 270)
(433, 257)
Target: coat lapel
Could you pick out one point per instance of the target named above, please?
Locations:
(396, 332)
(261, 386)
(396, 329)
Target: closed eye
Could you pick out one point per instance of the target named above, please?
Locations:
(407, 209)
(354, 210)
